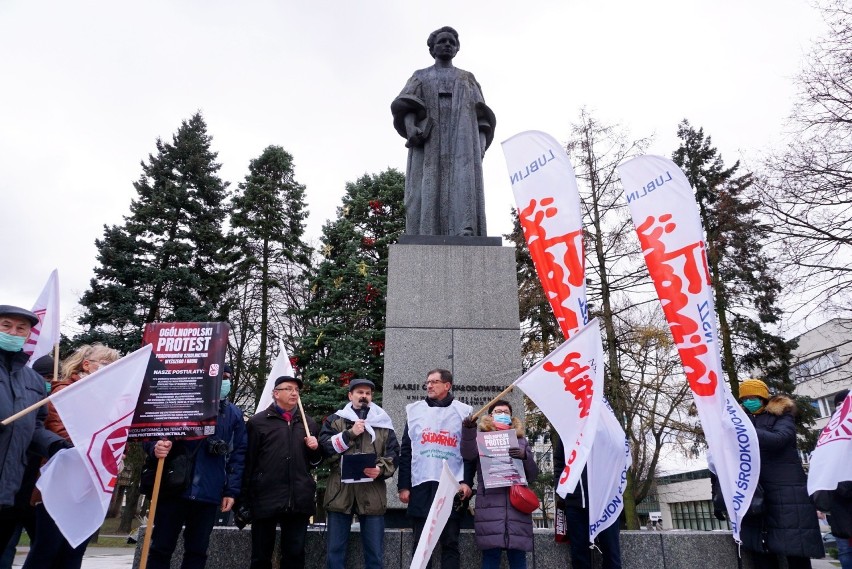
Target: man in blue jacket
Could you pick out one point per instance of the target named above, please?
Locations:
(20, 387)
(217, 472)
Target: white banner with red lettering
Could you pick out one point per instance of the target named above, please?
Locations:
(549, 209)
(45, 334)
(665, 214)
(548, 203)
(282, 366)
(439, 513)
(77, 484)
(567, 386)
(831, 461)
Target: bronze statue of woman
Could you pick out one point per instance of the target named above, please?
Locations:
(447, 126)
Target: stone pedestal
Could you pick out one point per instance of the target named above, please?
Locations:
(451, 305)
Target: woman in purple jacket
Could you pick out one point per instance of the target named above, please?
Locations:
(498, 525)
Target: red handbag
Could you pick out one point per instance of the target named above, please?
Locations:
(523, 499)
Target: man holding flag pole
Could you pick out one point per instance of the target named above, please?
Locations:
(21, 390)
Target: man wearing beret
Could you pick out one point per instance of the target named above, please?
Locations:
(277, 486)
(359, 428)
(20, 387)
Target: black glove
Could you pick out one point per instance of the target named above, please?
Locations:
(469, 422)
(516, 452)
(57, 446)
(242, 515)
(719, 514)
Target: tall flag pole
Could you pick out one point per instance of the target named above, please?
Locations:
(667, 222)
(548, 201)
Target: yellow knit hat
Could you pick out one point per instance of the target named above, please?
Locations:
(754, 388)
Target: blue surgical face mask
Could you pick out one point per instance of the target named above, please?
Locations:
(752, 405)
(47, 387)
(225, 389)
(11, 343)
(502, 418)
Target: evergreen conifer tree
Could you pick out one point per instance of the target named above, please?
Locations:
(346, 313)
(269, 280)
(165, 263)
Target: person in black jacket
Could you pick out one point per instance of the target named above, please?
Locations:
(838, 504)
(217, 472)
(788, 525)
(576, 505)
(278, 486)
(20, 387)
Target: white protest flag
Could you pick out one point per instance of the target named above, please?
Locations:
(439, 513)
(77, 484)
(665, 214)
(549, 210)
(831, 461)
(45, 334)
(610, 456)
(567, 386)
(282, 366)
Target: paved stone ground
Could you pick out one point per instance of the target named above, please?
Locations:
(96, 558)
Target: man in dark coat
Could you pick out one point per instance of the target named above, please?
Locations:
(278, 486)
(433, 428)
(217, 474)
(838, 504)
(788, 526)
(576, 505)
(20, 387)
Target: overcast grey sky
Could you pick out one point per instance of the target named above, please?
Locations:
(88, 86)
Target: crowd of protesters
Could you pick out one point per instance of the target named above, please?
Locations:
(263, 469)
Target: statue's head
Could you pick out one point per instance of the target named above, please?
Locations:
(433, 39)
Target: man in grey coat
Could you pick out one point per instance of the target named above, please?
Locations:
(20, 387)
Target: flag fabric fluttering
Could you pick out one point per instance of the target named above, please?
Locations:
(45, 335)
(439, 513)
(77, 484)
(549, 211)
(548, 203)
(282, 366)
(567, 386)
(662, 204)
(608, 463)
(831, 461)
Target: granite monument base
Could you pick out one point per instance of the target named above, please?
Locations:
(230, 547)
(452, 303)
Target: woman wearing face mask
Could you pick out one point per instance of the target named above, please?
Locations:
(49, 548)
(498, 525)
(788, 526)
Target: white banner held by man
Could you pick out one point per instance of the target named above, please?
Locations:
(77, 484)
(567, 386)
(831, 461)
(439, 513)
(282, 366)
(549, 211)
(550, 214)
(665, 214)
(45, 335)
